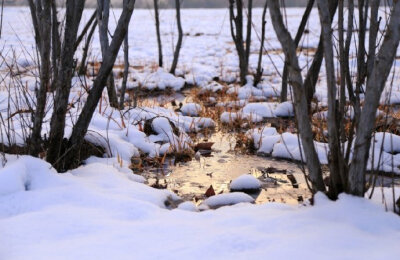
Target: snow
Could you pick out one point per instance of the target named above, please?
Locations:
(188, 206)
(191, 109)
(102, 210)
(245, 182)
(263, 110)
(227, 199)
(284, 109)
(161, 80)
(97, 212)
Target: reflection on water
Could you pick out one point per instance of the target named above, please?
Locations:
(191, 180)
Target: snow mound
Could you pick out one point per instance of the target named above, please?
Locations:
(188, 206)
(260, 109)
(191, 109)
(161, 80)
(227, 199)
(245, 182)
(284, 109)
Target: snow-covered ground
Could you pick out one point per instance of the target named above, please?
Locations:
(99, 211)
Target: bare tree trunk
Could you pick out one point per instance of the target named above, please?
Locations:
(297, 39)
(260, 70)
(43, 13)
(159, 43)
(103, 14)
(313, 72)
(56, 44)
(180, 37)
(236, 23)
(373, 33)
(248, 31)
(74, 9)
(83, 65)
(300, 101)
(126, 67)
(81, 126)
(35, 23)
(375, 86)
(337, 175)
(362, 26)
(353, 98)
(89, 23)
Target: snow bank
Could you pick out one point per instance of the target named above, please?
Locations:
(96, 212)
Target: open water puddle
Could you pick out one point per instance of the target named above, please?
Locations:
(191, 180)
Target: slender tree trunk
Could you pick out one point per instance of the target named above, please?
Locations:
(103, 14)
(126, 67)
(35, 22)
(300, 101)
(375, 86)
(74, 9)
(43, 13)
(313, 72)
(83, 66)
(373, 33)
(297, 39)
(88, 25)
(159, 43)
(180, 37)
(236, 23)
(248, 31)
(81, 126)
(361, 65)
(355, 101)
(336, 163)
(260, 70)
(56, 44)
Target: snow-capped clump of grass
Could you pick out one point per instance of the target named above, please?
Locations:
(239, 117)
(264, 139)
(191, 109)
(245, 182)
(228, 199)
(211, 87)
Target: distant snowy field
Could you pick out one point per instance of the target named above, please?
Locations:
(103, 211)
